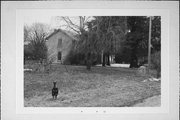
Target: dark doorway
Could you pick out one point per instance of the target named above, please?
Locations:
(59, 55)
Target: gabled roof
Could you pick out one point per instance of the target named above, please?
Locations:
(62, 31)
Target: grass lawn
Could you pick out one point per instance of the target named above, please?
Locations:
(100, 87)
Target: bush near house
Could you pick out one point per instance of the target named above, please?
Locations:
(78, 58)
(28, 54)
(74, 58)
(36, 50)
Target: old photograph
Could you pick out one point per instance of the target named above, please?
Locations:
(92, 61)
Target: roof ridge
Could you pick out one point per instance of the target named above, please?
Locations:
(57, 30)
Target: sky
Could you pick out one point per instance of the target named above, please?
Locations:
(53, 21)
(50, 20)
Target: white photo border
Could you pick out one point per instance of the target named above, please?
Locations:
(12, 55)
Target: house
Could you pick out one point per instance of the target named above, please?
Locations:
(59, 45)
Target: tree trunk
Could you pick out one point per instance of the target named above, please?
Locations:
(134, 63)
(108, 61)
(104, 60)
(134, 60)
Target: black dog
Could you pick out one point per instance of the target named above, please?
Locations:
(54, 91)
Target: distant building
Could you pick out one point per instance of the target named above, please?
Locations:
(59, 44)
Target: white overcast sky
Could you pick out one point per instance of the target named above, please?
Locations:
(52, 21)
(42, 19)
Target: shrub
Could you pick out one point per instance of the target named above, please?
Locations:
(156, 62)
(28, 54)
(39, 49)
(79, 58)
(75, 58)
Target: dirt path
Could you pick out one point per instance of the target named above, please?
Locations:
(154, 101)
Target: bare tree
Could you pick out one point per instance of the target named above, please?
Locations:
(27, 31)
(39, 31)
(76, 24)
(79, 25)
(36, 34)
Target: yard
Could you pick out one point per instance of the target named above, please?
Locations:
(100, 87)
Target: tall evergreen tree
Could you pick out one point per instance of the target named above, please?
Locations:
(137, 38)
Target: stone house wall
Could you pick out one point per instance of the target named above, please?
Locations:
(54, 47)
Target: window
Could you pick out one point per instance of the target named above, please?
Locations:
(59, 55)
(59, 42)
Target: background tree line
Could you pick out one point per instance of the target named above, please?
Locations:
(124, 37)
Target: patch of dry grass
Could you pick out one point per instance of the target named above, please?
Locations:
(100, 87)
